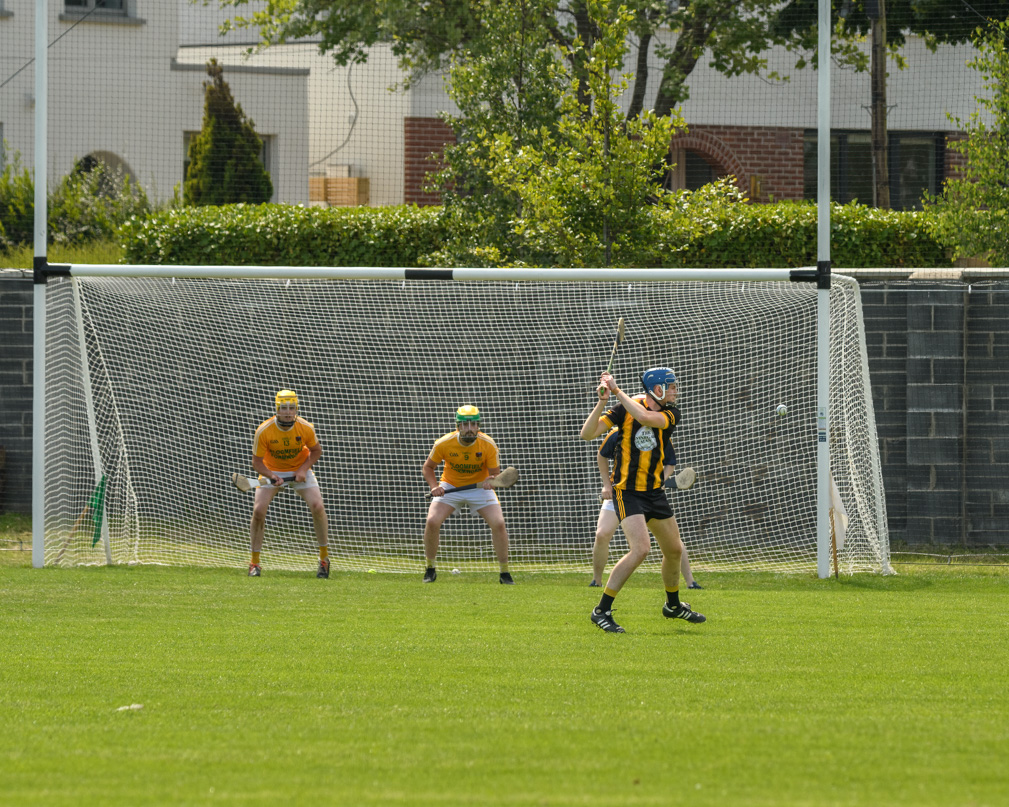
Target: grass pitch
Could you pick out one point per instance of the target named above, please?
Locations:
(371, 689)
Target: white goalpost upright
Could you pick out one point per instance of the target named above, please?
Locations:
(823, 527)
(39, 297)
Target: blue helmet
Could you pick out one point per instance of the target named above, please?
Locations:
(661, 376)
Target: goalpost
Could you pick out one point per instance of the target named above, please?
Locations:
(158, 376)
(149, 381)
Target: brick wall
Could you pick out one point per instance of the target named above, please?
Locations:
(16, 298)
(424, 141)
(938, 366)
(772, 154)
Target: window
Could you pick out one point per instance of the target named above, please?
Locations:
(100, 5)
(914, 160)
(692, 171)
(266, 155)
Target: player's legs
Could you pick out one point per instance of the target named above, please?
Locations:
(313, 498)
(636, 532)
(499, 532)
(436, 515)
(257, 527)
(606, 526)
(260, 504)
(320, 521)
(667, 536)
(685, 572)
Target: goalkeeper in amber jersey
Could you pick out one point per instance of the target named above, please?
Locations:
(470, 457)
(644, 423)
(283, 452)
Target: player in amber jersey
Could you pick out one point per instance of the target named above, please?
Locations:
(283, 452)
(470, 457)
(644, 424)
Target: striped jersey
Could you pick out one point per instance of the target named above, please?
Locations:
(641, 451)
(284, 450)
(609, 446)
(464, 465)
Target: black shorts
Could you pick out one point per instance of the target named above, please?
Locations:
(648, 503)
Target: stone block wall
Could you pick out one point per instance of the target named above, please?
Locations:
(939, 369)
(938, 365)
(16, 292)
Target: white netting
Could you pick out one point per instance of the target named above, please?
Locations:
(180, 372)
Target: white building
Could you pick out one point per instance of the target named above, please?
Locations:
(126, 86)
(119, 91)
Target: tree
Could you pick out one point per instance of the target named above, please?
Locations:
(588, 186)
(512, 87)
(224, 165)
(735, 32)
(973, 209)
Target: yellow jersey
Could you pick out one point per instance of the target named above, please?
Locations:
(284, 450)
(464, 465)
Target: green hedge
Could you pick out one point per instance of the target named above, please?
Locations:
(726, 235)
(784, 234)
(284, 235)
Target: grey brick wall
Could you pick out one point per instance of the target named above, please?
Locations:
(15, 392)
(938, 365)
(939, 369)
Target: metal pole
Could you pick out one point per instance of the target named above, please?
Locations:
(39, 306)
(823, 294)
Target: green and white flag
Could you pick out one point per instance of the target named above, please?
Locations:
(97, 507)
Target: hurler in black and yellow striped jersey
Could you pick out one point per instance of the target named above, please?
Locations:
(644, 425)
(641, 451)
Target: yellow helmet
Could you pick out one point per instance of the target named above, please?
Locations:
(286, 396)
(467, 413)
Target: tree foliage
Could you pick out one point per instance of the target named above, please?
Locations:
(936, 21)
(88, 204)
(430, 36)
(732, 34)
(224, 165)
(512, 87)
(547, 168)
(973, 209)
(588, 188)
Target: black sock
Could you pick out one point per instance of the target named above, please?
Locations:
(673, 598)
(605, 603)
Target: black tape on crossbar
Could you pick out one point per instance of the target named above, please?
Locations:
(803, 276)
(43, 269)
(823, 274)
(428, 274)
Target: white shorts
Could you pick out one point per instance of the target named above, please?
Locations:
(475, 498)
(288, 477)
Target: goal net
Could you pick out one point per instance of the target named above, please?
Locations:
(155, 387)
